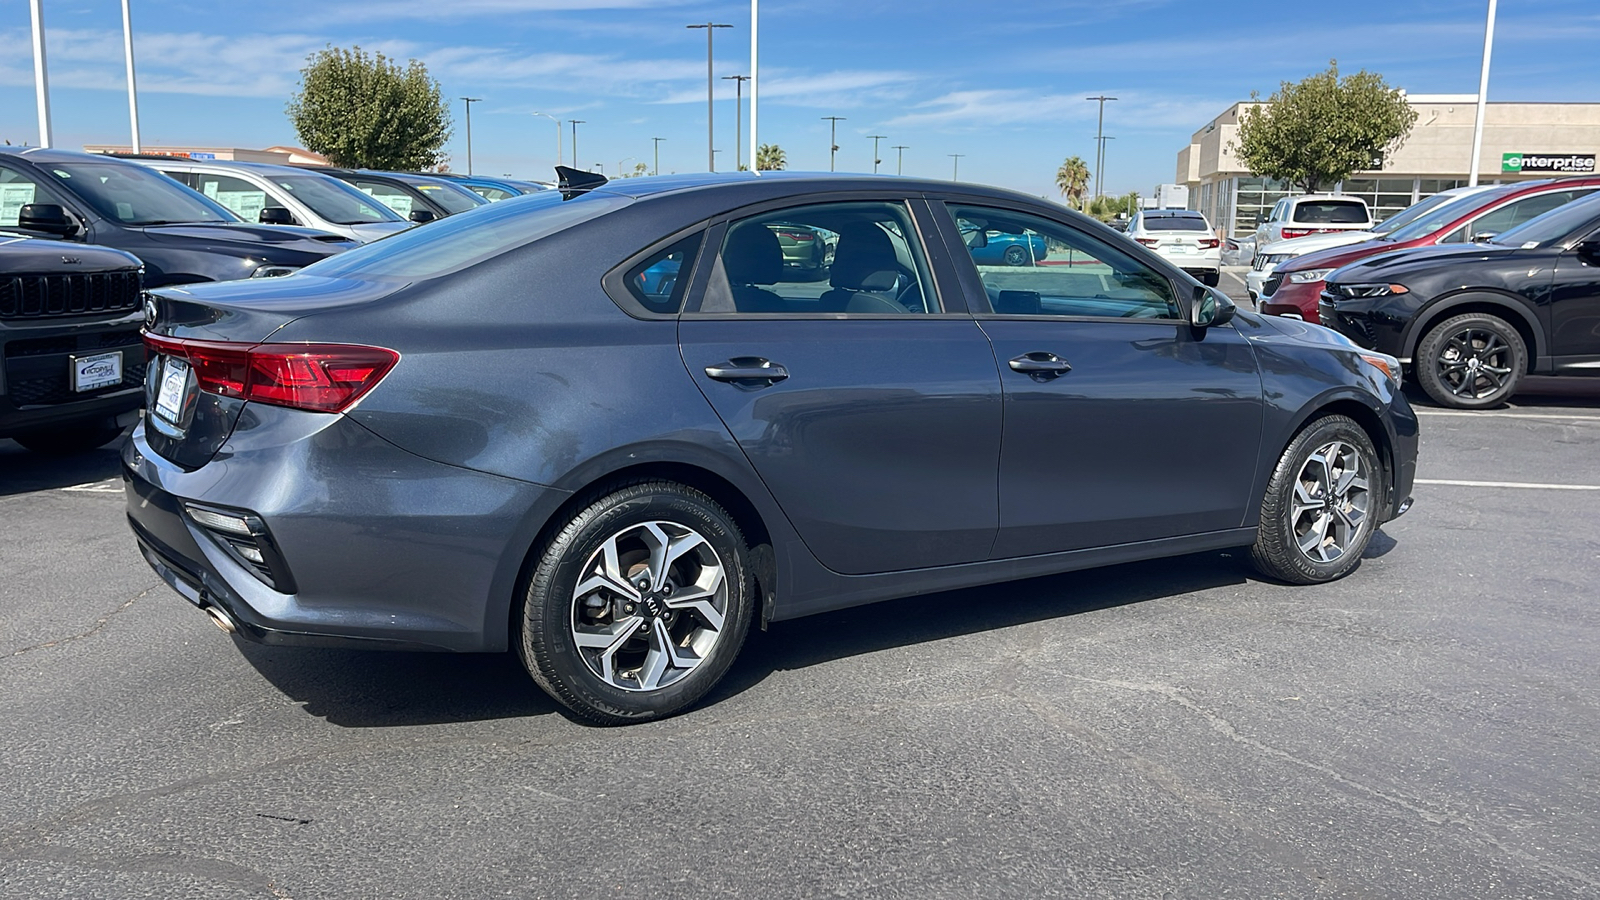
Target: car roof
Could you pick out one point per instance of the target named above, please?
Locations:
(1322, 198)
(53, 154)
(782, 184)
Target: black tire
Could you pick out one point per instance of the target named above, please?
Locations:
(554, 611)
(1210, 279)
(1016, 255)
(1286, 528)
(1471, 361)
(70, 438)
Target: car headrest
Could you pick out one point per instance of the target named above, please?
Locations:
(864, 252)
(752, 255)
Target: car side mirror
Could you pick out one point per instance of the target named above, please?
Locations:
(1209, 307)
(1483, 237)
(976, 239)
(1260, 220)
(1589, 252)
(422, 216)
(275, 215)
(49, 218)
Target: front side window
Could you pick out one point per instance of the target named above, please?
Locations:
(1064, 272)
(134, 195)
(16, 191)
(858, 258)
(1513, 214)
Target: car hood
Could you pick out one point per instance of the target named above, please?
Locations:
(1280, 330)
(32, 255)
(1315, 242)
(1400, 263)
(1334, 257)
(246, 235)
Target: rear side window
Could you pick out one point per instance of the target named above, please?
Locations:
(659, 282)
(1330, 212)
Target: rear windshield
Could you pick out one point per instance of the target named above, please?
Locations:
(1175, 223)
(1331, 212)
(451, 244)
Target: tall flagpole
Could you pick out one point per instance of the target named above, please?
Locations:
(41, 82)
(754, 80)
(133, 90)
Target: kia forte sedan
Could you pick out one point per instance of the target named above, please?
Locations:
(510, 429)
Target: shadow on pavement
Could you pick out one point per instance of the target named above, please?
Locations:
(23, 471)
(1535, 393)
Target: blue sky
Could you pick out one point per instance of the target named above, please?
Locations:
(1002, 83)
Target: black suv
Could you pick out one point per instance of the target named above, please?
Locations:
(73, 373)
(180, 235)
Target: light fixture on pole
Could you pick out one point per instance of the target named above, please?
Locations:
(738, 108)
(469, 101)
(41, 81)
(133, 90)
(900, 159)
(575, 123)
(1483, 98)
(621, 161)
(875, 160)
(657, 169)
(560, 154)
(955, 169)
(833, 138)
(711, 107)
(1099, 161)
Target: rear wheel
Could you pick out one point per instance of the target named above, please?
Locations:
(1322, 504)
(70, 438)
(1472, 361)
(1016, 255)
(639, 604)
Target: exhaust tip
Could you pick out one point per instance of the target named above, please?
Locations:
(220, 619)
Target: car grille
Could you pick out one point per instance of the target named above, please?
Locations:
(38, 373)
(1271, 285)
(1263, 260)
(57, 296)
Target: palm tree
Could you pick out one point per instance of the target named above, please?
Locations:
(1073, 180)
(770, 157)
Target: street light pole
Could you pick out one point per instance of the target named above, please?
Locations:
(575, 123)
(875, 160)
(560, 155)
(621, 161)
(1483, 98)
(900, 161)
(754, 83)
(1100, 144)
(657, 169)
(1101, 141)
(711, 107)
(133, 91)
(833, 138)
(41, 81)
(955, 169)
(469, 102)
(738, 108)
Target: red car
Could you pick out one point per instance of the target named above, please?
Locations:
(1296, 285)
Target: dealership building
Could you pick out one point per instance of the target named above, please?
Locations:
(1521, 142)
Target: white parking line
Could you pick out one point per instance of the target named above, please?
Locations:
(1507, 415)
(97, 487)
(1511, 484)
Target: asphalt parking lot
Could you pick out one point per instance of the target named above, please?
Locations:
(1423, 728)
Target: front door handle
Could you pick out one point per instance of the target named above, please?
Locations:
(1040, 365)
(748, 371)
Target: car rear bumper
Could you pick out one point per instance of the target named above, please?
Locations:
(374, 547)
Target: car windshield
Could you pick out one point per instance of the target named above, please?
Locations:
(1412, 213)
(453, 243)
(1554, 227)
(1175, 223)
(454, 199)
(134, 195)
(1444, 214)
(334, 200)
(1331, 212)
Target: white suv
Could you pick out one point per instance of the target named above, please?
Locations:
(1183, 237)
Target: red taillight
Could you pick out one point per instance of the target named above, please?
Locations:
(797, 236)
(1148, 242)
(1290, 234)
(1209, 243)
(314, 377)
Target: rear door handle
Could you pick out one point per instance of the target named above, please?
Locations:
(748, 371)
(1040, 365)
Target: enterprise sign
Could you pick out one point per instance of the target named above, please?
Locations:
(1547, 162)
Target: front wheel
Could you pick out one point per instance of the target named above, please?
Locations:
(1472, 361)
(1322, 504)
(639, 604)
(1016, 255)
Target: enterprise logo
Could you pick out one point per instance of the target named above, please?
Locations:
(1573, 163)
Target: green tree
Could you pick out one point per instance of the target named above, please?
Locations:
(1073, 180)
(368, 112)
(770, 157)
(1316, 132)
(1107, 208)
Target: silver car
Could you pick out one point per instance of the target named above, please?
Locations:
(281, 195)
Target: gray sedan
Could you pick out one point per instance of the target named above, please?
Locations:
(607, 427)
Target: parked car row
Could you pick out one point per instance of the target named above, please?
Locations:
(1472, 292)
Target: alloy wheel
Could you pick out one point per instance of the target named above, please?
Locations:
(649, 606)
(1474, 363)
(1332, 500)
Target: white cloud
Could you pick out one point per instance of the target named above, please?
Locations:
(833, 90)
